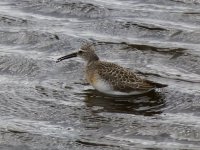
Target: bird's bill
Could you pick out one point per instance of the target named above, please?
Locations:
(67, 57)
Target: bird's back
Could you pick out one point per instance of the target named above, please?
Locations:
(118, 78)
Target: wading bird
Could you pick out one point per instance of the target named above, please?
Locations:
(110, 78)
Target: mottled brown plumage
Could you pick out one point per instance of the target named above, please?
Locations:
(120, 78)
(115, 79)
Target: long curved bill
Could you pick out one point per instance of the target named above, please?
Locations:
(66, 57)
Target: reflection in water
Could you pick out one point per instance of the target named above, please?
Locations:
(147, 104)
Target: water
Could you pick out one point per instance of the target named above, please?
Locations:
(44, 105)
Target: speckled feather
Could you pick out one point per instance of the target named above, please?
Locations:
(121, 79)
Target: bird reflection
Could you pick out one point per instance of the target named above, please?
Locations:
(147, 104)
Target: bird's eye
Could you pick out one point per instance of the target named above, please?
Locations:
(80, 52)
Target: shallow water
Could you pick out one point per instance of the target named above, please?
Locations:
(44, 105)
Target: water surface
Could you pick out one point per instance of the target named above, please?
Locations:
(45, 105)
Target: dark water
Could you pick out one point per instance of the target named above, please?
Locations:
(44, 105)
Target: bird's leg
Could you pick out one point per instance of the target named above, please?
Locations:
(82, 82)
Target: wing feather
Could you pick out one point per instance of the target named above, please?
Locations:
(122, 79)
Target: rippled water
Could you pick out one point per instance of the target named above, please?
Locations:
(44, 105)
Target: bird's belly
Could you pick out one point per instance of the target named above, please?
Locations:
(102, 86)
(106, 88)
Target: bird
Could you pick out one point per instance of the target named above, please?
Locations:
(110, 78)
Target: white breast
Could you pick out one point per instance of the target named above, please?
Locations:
(104, 87)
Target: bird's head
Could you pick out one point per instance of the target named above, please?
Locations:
(87, 52)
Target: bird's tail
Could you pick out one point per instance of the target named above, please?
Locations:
(157, 85)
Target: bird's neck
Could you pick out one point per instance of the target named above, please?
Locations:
(92, 59)
(89, 63)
